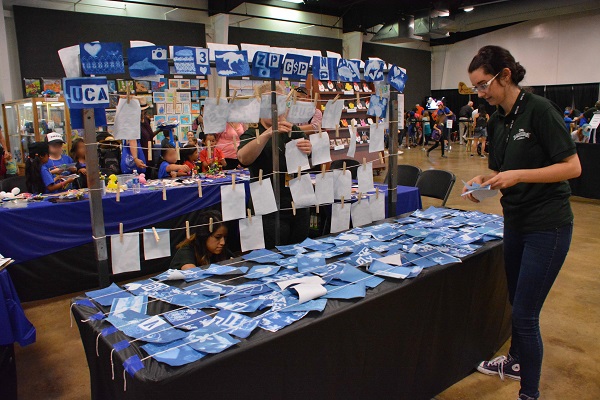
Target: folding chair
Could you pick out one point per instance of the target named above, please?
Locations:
(436, 183)
(407, 175)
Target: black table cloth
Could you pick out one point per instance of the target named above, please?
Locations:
(588, 184)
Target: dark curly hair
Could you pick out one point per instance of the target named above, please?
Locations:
(197, 240)
(493, 59)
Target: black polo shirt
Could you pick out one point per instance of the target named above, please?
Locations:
(538, 138)
(265, 159)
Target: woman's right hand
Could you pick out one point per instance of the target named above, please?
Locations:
(139, 163)
(479, 179)
(284, 126)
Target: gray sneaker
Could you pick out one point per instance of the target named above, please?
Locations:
(503, 366)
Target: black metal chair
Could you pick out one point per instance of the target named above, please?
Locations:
(8, 184)
(408, 175)
(436, 183)
(351, 165)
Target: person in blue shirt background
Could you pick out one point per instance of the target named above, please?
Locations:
(568, 120)
(38, 178)
(57, 160)
(169, 167)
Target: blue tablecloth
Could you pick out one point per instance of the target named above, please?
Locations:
(14, 326)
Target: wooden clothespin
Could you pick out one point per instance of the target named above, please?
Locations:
(337, 130)
(377, 192)
(218, 95)
(121, 232)
(234, 95)
(199, 188)
(342, 199)
(164, 193)
(299, 171)
(323, 168)
(344, 168)
(187, 229)
(257, 136)
(150, 150)
(357, 99)
(359, 197)
(364, 163)
(177, 150)
(249, 215)
(156, 237)
(294, 97)
(317, 96)
(335, 98)
(118, 192)
(128, 93)
(232, 181)
(293, 208)
(381, 158)
(320, 134)
(260, 174)
(210, 225)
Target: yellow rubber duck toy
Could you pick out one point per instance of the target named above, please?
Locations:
(348, 87)
(351, 106)
(112, 182)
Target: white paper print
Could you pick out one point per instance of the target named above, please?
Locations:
(360, 213)
(332, 114)
(263, 197)
(321, 153)
(294, 158)
(233, 202)
(301, 112)
(265, 105)
(313, 279)
(309, 291)
(340, 217)
(365, 177)
(215, 116)
(127, 120)
(125, 255)
(352, 143)
(69, 57)
(245, 111)
(252, 236)
(377, 206)
(342, 184)
(154, 249)
(302, 191)
(394, 259)
(400, 111)
(376, 138)
(324, 188)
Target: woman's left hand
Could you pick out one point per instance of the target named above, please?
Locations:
(503, 180)
(304, 146)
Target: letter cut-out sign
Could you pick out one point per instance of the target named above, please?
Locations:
(325, 68)
(295, 67)
(86, 92)
(267, 65)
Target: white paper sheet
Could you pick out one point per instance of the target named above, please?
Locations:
(342, 184)
(302, 191)
(324, 188)
(321, 153)
(233, 202)
(215, 116)
(400, 111)
(127, 120)
(263, 197)
(309, 291)
(332, 114)
(294, 158)
(360, 213)
(352, 145)
(69, 57)
(377, 206)
(365, 177)
(376, 138)
(313, 279)
(160, 249)
(340, 217)
(140, 43)
(301, 112)
(394, 259)
(125, 256)
(265, 105)
(245, 111)
(252, 236)
(253, 48)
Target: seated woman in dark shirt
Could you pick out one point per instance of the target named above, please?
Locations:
(203, 247)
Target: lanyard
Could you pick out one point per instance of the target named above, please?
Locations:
(512, 119)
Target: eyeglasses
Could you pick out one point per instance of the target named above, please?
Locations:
(484, 86)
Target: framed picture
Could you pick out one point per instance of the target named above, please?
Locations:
(110, 116)
(173, 83)
(185, 119)
(172, 119)
(159, 97)
(123, 84)
(345, 141)
(161, 108)
(170, 97)
(183, 130)
(203, 93)
(178, 108)
(170, 108)
(33, 87)
(194, 84)
(195, 95)
(143, 86)
(186, 108)
(159, 86)
(195, 108)
(112, 86)
(113, 100)
(203, 83)
(184, 84)
(184, 97)
(54, 84)
(332, 143)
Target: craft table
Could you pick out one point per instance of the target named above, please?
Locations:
(588, 184)
(406, 339)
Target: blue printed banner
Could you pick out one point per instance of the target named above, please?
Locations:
(325, 68)
(238, 325)
(349, 70)
(86, 92)
(147, 61)
(397, 78)
(191, 60)
(295, 67)
(188, 319)
(175, 354)
(211, 339)
(101, 58)
(378, 106)
(232, 63)
(374, 70)
(267, 65)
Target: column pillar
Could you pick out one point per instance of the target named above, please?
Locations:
(220, 34)
(352, 45)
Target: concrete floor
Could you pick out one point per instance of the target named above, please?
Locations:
(55, 367)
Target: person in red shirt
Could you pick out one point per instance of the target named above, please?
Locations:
(211, 155)
(189, 155)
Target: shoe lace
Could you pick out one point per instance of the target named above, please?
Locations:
(500, 362)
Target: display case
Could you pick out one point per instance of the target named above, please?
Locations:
(29, 120)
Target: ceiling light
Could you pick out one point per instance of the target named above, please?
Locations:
(294, 1)
(468, 9)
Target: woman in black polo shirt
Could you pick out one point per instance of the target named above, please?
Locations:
(531, 156)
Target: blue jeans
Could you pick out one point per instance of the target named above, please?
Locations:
(532, 262)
